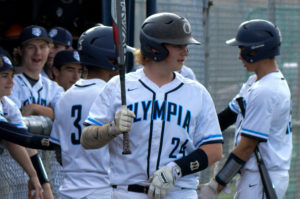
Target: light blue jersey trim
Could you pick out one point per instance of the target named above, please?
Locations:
(255, 132)
(217, 137)
(94, 121)
(55, 139)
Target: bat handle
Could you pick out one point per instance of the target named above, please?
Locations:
(126, 148)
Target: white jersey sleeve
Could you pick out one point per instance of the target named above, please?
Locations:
(9, 112)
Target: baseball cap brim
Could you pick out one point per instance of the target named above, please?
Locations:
(48, 40)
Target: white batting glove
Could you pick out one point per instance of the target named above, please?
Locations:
(122, 122)
(162, 181)
(208, 190)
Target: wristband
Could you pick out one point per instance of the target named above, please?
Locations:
(194, 162)
(39, 168)
(231, 167)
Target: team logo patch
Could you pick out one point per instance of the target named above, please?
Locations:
(36, 32)
(187, 27)
(53, 33)
(194, 165)
(76, 56)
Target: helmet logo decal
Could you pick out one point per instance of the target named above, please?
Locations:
(76, 55)
(36, 31)
(258, 46)
(53, 32)
(187, 27)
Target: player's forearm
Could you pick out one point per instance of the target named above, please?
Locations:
(36, 109)
(213, 151)
(245, 148)
(20, 154)
(94, 137)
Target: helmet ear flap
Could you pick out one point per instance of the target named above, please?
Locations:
(153, 48)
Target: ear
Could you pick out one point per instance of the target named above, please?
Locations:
(55, 72)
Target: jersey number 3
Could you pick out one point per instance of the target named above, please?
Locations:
(76, 112)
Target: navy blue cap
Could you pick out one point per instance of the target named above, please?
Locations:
(5, 63)
(61, 35)
(66, 57)
(33, 32)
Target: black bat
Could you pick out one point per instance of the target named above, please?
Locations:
(265, 177)
(118, 10)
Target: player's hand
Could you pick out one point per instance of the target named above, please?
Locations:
(122, 122)
(34, 188)
(208, 190)
(162, 181)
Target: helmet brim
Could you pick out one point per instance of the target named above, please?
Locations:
(186, 41)
(233, 42)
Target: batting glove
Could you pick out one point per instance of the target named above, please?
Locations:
(122, 122)
(162, 181)
(208, 190)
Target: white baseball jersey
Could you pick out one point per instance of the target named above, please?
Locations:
(187, 72)
(44, 74)
(9, 112)
(84, 170)
(171, 121)
(45, 92)
(267, 118)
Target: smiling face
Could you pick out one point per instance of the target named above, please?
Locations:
(68, 74)
(177, 56)
(34, 55)
(6, 82)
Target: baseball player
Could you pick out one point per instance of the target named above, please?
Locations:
(62, 39)
(9, 112)
(67, 68)
(172, 137)
(85, 171)
(261, 112)
(33, 93)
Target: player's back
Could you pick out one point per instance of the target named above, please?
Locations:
(80, 166)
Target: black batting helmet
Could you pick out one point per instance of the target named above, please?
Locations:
(164, 28)
(259, 36)
(96, 47)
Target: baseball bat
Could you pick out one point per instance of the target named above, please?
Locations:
(265, 177)
(118, 11)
